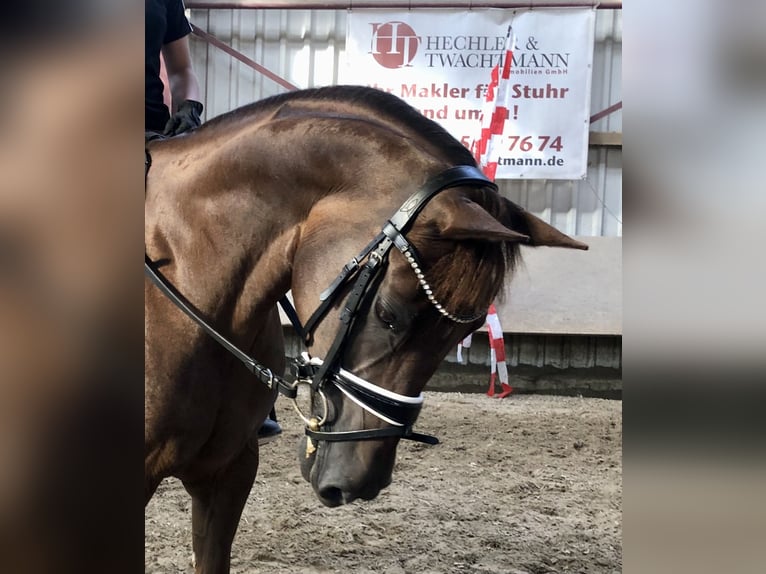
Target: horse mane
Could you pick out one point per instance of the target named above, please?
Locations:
(472, 275)
(382, 105)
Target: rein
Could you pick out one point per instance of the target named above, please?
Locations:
(264, 374)
(399, 411)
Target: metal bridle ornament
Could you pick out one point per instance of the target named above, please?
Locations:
(398, 411)
(409, 254)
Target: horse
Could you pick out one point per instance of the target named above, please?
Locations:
(393, 245)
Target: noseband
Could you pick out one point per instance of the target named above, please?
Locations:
(399, 411)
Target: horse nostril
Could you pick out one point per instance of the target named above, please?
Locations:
(331, 496)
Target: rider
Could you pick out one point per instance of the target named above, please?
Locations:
(167, 33)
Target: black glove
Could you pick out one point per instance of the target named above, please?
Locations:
(185, 119)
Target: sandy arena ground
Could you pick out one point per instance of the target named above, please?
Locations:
(527, 484)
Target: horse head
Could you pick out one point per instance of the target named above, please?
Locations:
(427, 296)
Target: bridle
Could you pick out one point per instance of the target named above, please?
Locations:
(399, 411)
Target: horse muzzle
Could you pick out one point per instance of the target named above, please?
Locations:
(332, 495)
(338, 474)
(345, 465)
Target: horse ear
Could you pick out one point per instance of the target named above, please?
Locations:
(471, 221)
(542, 233)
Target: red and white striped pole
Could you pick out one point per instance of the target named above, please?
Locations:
(498, 366)
(464, 344)
(495, 112)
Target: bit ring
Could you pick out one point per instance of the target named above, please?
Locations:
(311, 422)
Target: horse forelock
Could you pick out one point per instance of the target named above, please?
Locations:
(472, 273)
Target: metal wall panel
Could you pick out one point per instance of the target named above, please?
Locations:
(521, 350)
(306, 48)
(561, 352)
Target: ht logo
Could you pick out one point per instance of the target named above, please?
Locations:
(393, 44)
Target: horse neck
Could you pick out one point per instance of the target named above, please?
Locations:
(228, 243)
(231, 208)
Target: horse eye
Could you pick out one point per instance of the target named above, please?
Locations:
(385, 315)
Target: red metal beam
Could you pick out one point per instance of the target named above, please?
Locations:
(241, 57)
(603, 113)
(385, 4)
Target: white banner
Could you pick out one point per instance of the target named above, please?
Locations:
(440, 62)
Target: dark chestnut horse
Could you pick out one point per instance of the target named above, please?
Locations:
(282, 195)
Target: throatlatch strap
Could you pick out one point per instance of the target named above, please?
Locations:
(292, 315)
(328, 296)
